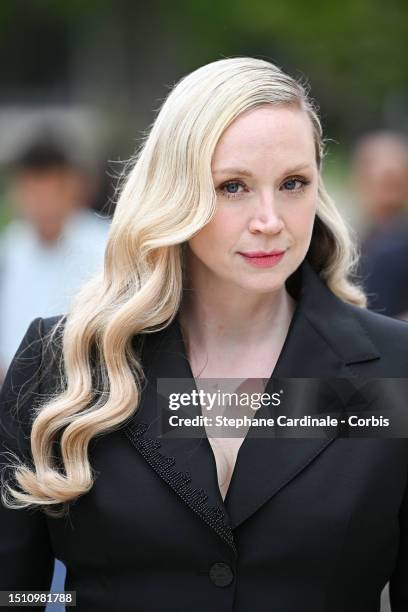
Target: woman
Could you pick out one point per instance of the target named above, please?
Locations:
(226, 259)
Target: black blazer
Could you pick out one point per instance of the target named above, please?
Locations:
(308, 525)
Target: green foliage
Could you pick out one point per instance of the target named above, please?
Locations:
(352, 51)
(360, 44)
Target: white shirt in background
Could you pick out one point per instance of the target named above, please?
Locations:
(39, 279)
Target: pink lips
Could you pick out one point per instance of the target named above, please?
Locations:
(263, 259)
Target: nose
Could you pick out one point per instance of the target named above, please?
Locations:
(265, 217)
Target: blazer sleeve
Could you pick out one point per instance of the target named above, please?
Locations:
(26, 556)
(398, 587)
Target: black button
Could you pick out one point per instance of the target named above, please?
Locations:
(221, 574)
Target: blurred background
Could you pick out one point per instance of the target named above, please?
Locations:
(80, 85)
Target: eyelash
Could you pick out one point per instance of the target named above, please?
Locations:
(302, 180)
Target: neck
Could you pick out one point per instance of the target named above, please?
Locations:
(211, 319)
(49, 234)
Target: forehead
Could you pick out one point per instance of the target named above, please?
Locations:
(272, 131)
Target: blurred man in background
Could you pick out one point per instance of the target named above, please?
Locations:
(380, 178)
(52, 246)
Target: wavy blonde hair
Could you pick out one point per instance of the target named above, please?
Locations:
(167, 197)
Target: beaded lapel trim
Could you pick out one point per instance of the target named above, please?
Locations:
(179, 481)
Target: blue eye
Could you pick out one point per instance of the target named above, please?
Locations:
(295, 184)
(232, 189)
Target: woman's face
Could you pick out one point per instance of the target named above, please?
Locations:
(266, 180)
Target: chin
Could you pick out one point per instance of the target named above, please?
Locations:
(263, 285)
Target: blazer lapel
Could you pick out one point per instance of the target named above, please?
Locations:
(186, 465)
(324, 338)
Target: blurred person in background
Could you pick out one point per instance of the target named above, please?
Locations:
(55, 241)
(380, 179)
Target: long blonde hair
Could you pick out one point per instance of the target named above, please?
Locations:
(167, 197)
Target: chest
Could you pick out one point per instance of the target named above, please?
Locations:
(224, 396)
(225, 454)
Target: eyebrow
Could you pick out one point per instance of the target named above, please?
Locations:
(243, 172)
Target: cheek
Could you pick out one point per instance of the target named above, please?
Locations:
(218, 236)
(299, 221)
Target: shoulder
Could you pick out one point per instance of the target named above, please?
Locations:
(380, 326)
(38, 353)
(49, 324)
(16, 232)
(32, 376)
(37, 332)
(389, 336)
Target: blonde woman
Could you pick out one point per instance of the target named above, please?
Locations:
(226, 259)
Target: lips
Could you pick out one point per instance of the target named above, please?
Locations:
(263, 259)
(262, 253)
